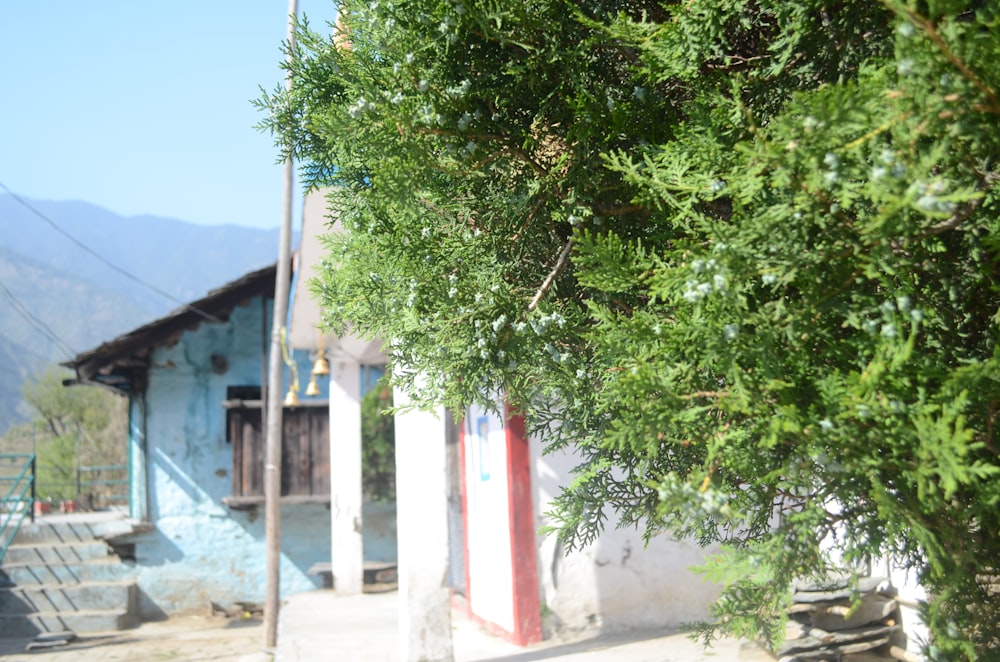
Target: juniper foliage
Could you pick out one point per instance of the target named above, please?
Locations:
(741, 255)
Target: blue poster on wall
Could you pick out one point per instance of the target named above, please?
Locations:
(483, 432)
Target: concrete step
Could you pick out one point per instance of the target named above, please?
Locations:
(64, 552)
(92, 596)
(21, 626)
(41, 531)
(104, 569)
(10, 523)
(81, 527)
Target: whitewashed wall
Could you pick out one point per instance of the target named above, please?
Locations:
(490, 565)
(616, 583)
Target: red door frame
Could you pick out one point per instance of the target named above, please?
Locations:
(524, 553)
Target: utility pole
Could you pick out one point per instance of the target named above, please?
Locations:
(272, 461)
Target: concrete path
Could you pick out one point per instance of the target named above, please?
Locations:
(319, 625)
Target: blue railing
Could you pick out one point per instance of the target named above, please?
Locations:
(102, 486)
(19, 499)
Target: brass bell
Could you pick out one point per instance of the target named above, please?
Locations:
(291, 398)
(321, 366)
(312, 389)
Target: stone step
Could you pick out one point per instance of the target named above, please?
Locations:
(83, 527)
(104, 569)
(52, 553)
(68, 598)
(22, 626)
(41, 531)
(9, 524)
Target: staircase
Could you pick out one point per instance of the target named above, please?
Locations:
(59, 574)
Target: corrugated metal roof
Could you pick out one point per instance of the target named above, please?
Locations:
(118, 362)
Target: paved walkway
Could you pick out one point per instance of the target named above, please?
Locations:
(319, 625)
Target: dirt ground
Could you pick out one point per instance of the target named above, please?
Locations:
(192, 638)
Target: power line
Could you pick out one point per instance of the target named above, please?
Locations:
(20, 309)
(100, 257)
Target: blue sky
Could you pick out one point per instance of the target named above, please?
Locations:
(144, 107)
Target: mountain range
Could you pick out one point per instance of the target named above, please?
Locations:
(57, 298)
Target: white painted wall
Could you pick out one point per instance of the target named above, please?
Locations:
(489, 560)
(615, 583)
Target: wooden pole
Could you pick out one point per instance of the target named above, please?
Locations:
(272, 461)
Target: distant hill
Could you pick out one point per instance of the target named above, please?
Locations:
(78, 312)
(15, 366)
(84, 301)
(181, 258)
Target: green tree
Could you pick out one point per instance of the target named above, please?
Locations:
(745, 251)
(71, 426)
(378, 444)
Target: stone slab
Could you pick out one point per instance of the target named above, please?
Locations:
(836, 652)
(873, 609)
(865, 585)
(816, 638)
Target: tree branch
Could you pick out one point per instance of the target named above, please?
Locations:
(560, 265)
(932, 33)
(965, 212)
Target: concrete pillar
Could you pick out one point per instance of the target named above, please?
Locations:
(422, 535)
(346, 549)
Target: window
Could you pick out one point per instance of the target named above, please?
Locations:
(305, 459)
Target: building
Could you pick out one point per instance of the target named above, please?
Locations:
(193, 380)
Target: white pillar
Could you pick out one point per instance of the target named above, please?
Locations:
(346, 549)
(422, 535)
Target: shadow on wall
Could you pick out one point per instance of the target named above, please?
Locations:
(152, 549)
(155, 549)
(617, 583)
(148, 610)
(649, 586)
(160, 461)
(305, 537)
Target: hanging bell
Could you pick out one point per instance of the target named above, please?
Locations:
(292, 398)
(312, 388)
(321, 366)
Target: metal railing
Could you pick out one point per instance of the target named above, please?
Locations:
(18, 502)
(101, 486)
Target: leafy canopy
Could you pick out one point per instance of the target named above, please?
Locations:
(71, 426)
(741, 256)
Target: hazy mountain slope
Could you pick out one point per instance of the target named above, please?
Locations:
(14, 368)
(182, 259)
(77, 312)
(83, 300)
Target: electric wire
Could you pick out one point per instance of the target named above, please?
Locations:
(23, 311)
(42, 327)
(107, 262)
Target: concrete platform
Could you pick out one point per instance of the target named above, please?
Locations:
(319, 625)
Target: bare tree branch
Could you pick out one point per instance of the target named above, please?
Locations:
(560, 265)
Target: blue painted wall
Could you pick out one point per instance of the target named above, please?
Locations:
(199, 549)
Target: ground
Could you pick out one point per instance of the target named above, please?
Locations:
(319, 625)
(195, 637)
